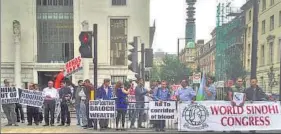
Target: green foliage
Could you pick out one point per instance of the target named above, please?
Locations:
(172, 70)
(234, 68)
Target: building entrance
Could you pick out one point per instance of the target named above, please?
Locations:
(44, 77)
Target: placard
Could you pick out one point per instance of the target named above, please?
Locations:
(31, 98)
(73, 66)
(238, 98)
(102, 109)
(162, 111)
(9, 95)
(221, 116)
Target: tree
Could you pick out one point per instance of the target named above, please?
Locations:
(172, 70)
(155, 73)
(234, 68)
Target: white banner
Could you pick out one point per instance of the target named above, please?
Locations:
(31, 98)
(9, 95)
(162, 111)
(102, 109)
(221, 116)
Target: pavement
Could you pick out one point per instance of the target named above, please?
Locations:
(73, 128)
(23, 128)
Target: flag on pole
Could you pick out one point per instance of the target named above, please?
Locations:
(200, 91)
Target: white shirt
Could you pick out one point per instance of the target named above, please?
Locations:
(106, 90)
(52, 92)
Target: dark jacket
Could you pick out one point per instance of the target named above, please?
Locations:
(87, 92)
(255, 95)
(121, 101)
(140, 92)
(101, 93)
(64, 92)
(76, 93)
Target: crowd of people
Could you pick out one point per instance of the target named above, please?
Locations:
(79, 97)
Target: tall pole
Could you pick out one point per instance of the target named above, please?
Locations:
(279, 73)
(142, 61)
(0, 64)
(95, 60)
(178, 48)
(254, 40)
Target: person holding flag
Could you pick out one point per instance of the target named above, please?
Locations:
(207, 90)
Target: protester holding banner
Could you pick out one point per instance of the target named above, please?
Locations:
(9, 108)
(40, 110)
(32, 112)
(255, 93)
(50, 95)
(19, 111)
(236, 89)
(121, 102)
(210, 89)
(65, 98)
(140, 93)
(105, 92)
(185, 93)
(162, 94)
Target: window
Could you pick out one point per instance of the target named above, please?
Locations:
(250, 15)
(54, 32)
(249, 31)
(118, 42)
(54, 2)
(263, 5)
(272, 22)
(271, 2)
(279, 18)
(271, 52)
(263, 27)
(119, 2)
(262, 55)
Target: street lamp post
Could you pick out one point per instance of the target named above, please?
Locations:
(279, 73)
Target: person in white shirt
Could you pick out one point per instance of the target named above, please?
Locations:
(50, 95)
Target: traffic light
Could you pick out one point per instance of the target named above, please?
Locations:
(148, 57)
(85, 49)
(133, 56)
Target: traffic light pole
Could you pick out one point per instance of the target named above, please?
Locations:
(95, 54)
(254, 40)
(142, 61)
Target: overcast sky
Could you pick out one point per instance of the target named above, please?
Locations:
(170, 20)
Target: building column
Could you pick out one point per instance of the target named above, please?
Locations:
(17, 65)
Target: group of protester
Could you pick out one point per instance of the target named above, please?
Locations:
(80, 95)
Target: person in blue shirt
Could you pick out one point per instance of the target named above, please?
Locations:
(210, 89)
(185, 93)
(121, 102)
(162, 94)
(105, 92)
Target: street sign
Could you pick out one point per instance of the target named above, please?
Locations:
(196, 78)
